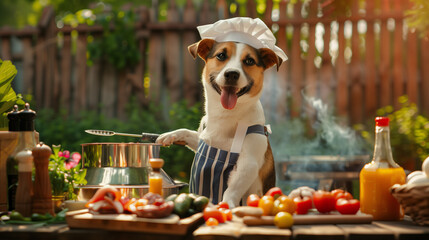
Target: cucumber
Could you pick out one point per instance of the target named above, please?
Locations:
(200, 203)
(182, 204)
(172, 197)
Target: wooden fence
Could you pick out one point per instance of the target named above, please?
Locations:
(356, 59)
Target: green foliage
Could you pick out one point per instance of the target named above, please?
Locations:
(118, 43)
(64, 179)
(418, 16)
(409, 132)
(8, 97)
(69, 131)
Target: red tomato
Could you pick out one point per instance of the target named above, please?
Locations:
(324, 201)
(211, 212)
(212, 222)
(303, 204)
(228, 213)
(340, 193)
(253, 200)
(347, 206)
(274, 192)
(223, 205)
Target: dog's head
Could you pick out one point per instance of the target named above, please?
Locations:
(234, 70)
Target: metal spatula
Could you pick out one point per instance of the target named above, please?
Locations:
(144, 136)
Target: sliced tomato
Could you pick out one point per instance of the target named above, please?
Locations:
(223, 205)
(211, 212)
(227, 212)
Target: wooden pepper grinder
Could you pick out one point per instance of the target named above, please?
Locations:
(24, 191)
(42, 199)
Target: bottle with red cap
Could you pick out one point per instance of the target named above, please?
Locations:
(379, 175)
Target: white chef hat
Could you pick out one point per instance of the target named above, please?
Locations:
(253, 32)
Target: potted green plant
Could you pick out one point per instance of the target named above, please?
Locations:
(65, 173)
(8, 97)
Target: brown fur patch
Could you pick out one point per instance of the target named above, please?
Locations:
(268, 173)
(213, 63)
(255, 72)
(270, 58)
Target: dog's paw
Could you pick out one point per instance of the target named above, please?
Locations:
(231, 199)
(168, 138)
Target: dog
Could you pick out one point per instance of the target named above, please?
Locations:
(232, 78)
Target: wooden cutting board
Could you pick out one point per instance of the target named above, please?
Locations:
(130, 222)
(333, 218)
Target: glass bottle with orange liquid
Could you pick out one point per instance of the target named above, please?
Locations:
(155, 177)
(379, 175)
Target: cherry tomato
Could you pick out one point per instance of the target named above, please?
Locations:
(303, 204)
(267, 204)
(347, 206)
(253, 200)
(212, 222)
(211, 212)
(283, 220)
(283, 204)
(340, 193)
(324, 201)
(227, 212)
(274, 192)
(223, 205)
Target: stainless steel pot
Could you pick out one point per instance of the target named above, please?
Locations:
(123, 165)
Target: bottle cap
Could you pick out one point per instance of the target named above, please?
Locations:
(13, 119)
(26, 117)
(156, 162)
(382, 121)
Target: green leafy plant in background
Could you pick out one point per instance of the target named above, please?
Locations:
(418, 16)
(409, 133)
(8, 97)
(118, 44)
(65, 172)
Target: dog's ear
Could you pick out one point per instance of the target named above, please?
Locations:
(269, 58)
(201, 48)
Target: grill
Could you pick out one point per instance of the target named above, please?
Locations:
(320, 171)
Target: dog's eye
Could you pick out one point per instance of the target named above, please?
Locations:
(221, 56)
(249, 61)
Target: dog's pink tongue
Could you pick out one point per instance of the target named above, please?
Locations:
(228, 97)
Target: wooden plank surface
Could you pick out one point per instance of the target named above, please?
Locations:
(398, 57)
(405, 230)
(385, 92)
(315, 232)
(309, 219)
(370, 94)
(366, 231)
(130, 222)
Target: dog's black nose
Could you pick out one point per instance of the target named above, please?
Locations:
(231, 77)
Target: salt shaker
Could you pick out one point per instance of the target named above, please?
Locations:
(42, 198)
(24, 191)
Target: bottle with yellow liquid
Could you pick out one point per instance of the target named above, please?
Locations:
(155, 177)
(379, 175)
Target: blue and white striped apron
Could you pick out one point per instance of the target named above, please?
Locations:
(211, 168)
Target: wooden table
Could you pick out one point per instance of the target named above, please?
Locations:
(401, 230)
